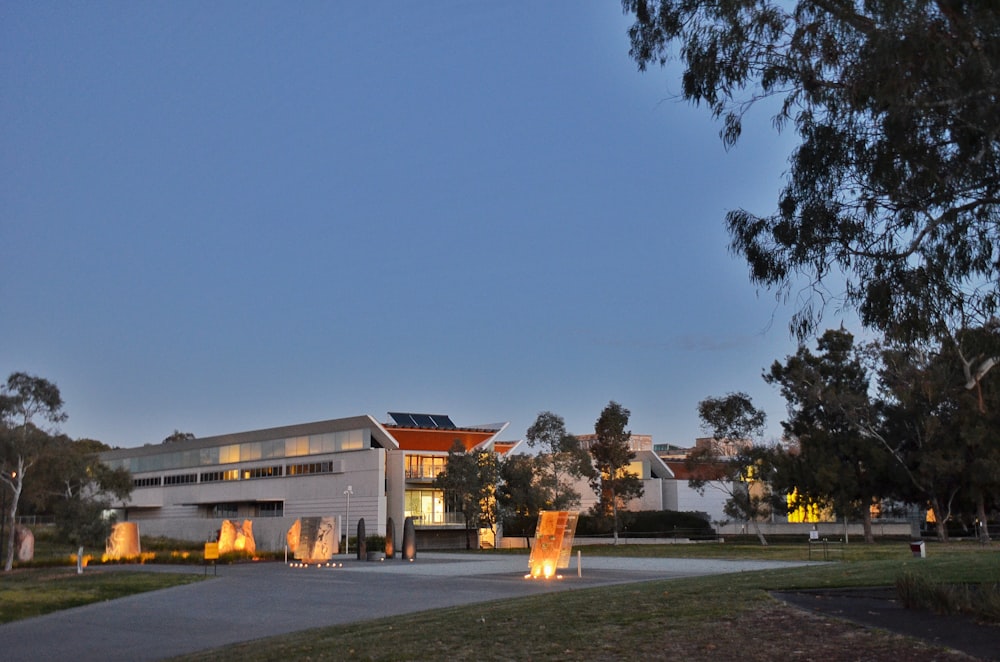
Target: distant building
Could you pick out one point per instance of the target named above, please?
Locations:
(274, 476)
(664, 481)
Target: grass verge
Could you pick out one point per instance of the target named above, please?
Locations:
(27, 593)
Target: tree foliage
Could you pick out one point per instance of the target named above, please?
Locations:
(562, 460)
(741, 477)
(24, 399)
(469, 481)
(895, 184)
(48, 473)
(613, 483)
(829, 411)
(943, 437)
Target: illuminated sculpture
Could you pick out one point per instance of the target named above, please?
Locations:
(390, 538)
(553, 543)
(314, 539)
(123, 541)
(233, 539)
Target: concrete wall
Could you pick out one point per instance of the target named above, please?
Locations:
(829, 530)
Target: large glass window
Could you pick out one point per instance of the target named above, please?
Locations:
(425, 507)
(423, 467)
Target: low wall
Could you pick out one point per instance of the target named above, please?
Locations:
(828, 530)
(825, 529)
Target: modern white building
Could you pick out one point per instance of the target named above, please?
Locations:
(350, 468)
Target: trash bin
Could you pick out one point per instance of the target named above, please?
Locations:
(917, 548)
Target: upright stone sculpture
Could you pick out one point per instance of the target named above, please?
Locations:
(237, 539)
(314, 539)
(409, 540)
(24, 541)
(123, 541)
(362, 542)
(390, 538)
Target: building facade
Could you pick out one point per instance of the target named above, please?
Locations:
(350, 468)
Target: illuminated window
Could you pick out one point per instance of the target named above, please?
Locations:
(423, 467)
(426, 507)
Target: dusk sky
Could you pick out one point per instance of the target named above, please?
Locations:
(219, 217)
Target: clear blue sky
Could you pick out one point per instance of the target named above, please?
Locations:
(218, 217)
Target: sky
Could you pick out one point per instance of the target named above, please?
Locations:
(220, 217)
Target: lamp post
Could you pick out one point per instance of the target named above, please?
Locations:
(347, 523)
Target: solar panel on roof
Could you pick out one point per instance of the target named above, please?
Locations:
(439, 421)
(423, 420)
(402, 419)
(442, 421)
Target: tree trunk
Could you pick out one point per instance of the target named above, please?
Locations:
(614, 510)
(760, 534)
(866, 522)
(984, 529)
(940, 525)
(16, 483)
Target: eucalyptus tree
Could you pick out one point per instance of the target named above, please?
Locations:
(942, 436)
(469, 481)
(613, 483)
(830, 413)
(741, 476)
(561, 461)
(892, 198)
(24, 400)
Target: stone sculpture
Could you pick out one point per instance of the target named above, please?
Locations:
(314, 539)
(237, 539)
(409, 540)
(362, 541)
(390, 538)
(24, 541)
(123, 541)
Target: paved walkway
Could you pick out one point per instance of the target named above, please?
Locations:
(250, 601)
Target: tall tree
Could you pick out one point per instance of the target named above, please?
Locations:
(469, 481)
(733, 418)
(80, 489)
(895, 184)
(829, 410)
(24, 399)
(561, 461)
(613, 483)
(944, 443)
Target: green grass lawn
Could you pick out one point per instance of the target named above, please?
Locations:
(33, 592)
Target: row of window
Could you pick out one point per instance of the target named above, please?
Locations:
(232, 510)
(316, 444)
(274, 471)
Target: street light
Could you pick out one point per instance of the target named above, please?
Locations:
(347, 523)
